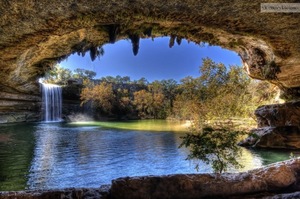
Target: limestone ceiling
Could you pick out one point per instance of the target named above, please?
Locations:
(35, 34)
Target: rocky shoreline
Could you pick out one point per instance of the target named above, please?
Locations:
(278, 127)
(278, 180)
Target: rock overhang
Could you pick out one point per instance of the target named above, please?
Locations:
(36, 35)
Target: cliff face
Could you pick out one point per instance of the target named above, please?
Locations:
(34, 35)
(19, 107)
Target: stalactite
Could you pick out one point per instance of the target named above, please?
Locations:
(93, 53)
(178, 40)
(148, 32)
(135, 40)
(113, 31)
(96, 52)
(172, 41)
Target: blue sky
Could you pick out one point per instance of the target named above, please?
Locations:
(155, 60)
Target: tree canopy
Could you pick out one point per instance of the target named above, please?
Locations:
(219, 92)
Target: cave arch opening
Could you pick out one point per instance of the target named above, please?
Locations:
(158, 58)
(39, 59)
(186, 52)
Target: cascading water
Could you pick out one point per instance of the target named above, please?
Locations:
(52, 102)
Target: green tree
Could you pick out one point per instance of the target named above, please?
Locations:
(170, 90)
(220, 93)
(58, 75)
(83, 74)
(108, 79)
(190, 87)
(157, 106)
(189, 109)
(216, 147)
(142, 81)
(188, 103)
(228, 99)
(126, 80)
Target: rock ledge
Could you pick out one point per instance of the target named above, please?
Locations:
(279, 180)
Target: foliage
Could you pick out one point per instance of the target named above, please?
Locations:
(118, 80)
(58, 75)
(142, 81)
(102, 97)
(218, 93)
(123, 103)
(149, 103)
(83, 74)
(217, 147)
(260, 93)
(142, 101)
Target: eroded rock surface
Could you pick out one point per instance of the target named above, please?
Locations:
(287, 114)
(205, 185)
(19, 107)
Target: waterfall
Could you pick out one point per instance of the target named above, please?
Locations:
(52, 102)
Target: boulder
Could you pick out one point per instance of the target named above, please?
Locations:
(273, 178)
(287, 114)
(274, 181)
(278, 127)
(282, 137)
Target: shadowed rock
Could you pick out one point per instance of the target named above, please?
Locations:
(278, 127)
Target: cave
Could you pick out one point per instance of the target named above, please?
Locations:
(33, 39)
(35, 35)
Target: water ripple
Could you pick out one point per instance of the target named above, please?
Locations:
(50, 156)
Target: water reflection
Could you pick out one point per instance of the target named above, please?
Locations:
(54, 155)
(68, 157)
(16, 152)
